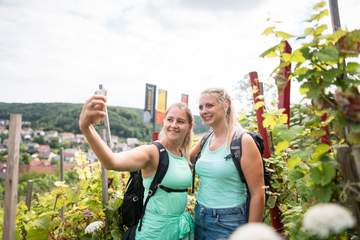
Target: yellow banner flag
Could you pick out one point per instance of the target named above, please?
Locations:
(162, 101)
(161, 106)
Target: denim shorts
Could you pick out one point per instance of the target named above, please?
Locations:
(218, 223)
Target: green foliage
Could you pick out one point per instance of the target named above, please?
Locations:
(39, 140)
(41, 183)
(305, 171)
(24, 156)
(82, 206)
(125, 122)
(3, 136)
(71, 177)
(54, 144)
(128, 123)
(324, 73)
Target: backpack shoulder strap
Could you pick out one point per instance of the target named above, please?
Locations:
(258, 141)
(159, 175)
(202, 143)
(236, 151)
(161, 169)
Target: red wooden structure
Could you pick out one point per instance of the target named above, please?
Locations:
(284, 94)
(284, 103)
(254, 80)
(255, 85)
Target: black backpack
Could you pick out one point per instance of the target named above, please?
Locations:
(236, 151)
(133, 207)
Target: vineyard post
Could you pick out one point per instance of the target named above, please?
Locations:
(347, 156)
(349, 162)
(106, 136)
(335, 20)
(335, 16)
(257, 96)
(61, 164)
(62, 178)
(11, 180)
(29, 194)
(104, 178)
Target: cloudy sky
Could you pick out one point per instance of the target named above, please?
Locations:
(59, 51)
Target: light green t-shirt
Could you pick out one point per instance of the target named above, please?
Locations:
(165, 217)
(220, 184)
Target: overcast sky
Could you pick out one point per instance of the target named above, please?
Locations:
(59, 51)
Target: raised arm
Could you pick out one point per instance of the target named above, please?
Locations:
(252, 166)
(93, 111)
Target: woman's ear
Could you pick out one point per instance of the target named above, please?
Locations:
(227, 106)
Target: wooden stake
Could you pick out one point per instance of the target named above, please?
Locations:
(62, 158)
(335, 16)
(11, 181)
(29, 194)
(106, 136)
(104, 182)
(348, 159)
(62, 164)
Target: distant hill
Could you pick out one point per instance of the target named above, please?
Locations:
(125, 122)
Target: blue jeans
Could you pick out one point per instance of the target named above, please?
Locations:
(218, 223)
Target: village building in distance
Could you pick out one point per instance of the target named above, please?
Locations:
(40, 150)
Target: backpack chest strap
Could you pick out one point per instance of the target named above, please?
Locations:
(167, 189)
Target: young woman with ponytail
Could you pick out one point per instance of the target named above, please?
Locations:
(222, 201)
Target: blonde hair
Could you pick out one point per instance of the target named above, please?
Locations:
(222, 97)
(186, 144)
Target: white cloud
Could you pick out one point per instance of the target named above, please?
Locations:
(61, 50)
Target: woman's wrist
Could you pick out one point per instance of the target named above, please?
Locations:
(85, 128)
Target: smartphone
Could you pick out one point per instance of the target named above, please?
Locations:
(101, 91)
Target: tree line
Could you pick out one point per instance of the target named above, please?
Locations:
(125, 122)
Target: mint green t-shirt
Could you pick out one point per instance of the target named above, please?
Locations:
(165, 217)
(220, 184)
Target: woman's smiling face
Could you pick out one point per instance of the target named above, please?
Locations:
(211, 110)
(176, 124)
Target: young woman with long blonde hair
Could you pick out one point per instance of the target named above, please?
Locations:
(222, 202)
